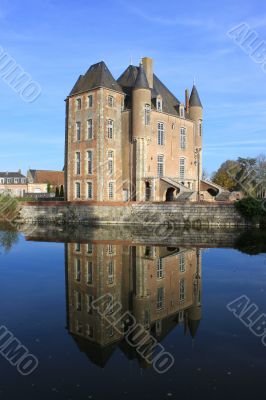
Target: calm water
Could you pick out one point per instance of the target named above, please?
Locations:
(178, 292)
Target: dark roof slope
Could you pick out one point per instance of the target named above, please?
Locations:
(98, 75)
(169, 102)
(141, 80)
(194, 100)
(11, 175)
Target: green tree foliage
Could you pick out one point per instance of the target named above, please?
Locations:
(225, 175)
(252, 209)
(57, 193)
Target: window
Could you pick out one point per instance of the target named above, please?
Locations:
(89, 272)
(183, 138)
(77, 270)
(147, 114)
(2, 180)
(182, 111)
(160, 133)
(111, 101)
(89, 191)
(9, 180)
(90, 248)
(90, 129)
(111, 190)
(77, 190)
(89, 301)
(16, 180)
(90, 101)
(159, 104)
(78, 104)
(182, 263)
(78, 300)
(110, 249)
(160, 271)
(77, 247)
(200, 127)
(78, 131)
(90, 162)
(110, 272)
(160, 298)
(110, 128)
(182, 168)
(182, 290)
(78, 163)
(160, 166)
(110, 162)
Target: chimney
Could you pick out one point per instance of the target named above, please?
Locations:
(187, 100)
(147, 63)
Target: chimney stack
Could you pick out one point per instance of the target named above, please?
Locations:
(147, 63)
(187, 100)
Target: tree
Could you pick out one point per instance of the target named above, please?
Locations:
(57, 194)
(225, 175)
(48, 187)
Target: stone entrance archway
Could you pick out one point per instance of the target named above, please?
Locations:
(170, 194)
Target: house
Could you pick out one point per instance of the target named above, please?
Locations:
(13, 183)
(40, 180)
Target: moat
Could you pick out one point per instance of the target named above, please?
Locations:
(177, 288)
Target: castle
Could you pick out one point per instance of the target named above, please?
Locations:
(131, 139)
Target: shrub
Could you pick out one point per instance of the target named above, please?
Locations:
(252, 209)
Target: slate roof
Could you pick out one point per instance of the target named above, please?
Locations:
(55, 178)
(98, 75)
(11, 175)
(170, 103)
(194, 100)
(141, 81)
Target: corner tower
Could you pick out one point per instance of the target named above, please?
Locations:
(141, 128)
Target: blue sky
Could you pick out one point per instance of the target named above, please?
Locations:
(56, 40)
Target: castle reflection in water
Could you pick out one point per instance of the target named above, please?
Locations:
(160, 286)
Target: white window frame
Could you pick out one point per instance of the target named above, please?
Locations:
(90, 129)
(78, 104)
(183, 138)
(160, 268)
(89, 190)
(110, 159)
(78, 131)
(77, 190)
(111, 101)
(160, 165)
(111, 190)
(90, 101)
(182, 168)
(159, 104)
(160, 298)
(147, 114)
(160, 133)
(78, 163)
(182, 111)
(110, 129)
(90, 162)
(182, 263)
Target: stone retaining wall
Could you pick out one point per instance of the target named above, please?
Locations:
(135, 213)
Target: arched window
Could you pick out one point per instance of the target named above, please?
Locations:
(147, 114)
(160, 133)
(183, 138)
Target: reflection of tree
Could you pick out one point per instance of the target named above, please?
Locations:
(8, 237)
(251, 242)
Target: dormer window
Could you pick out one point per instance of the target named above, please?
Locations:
(111, 101)
(182, 111)
(159, 104)
(78, 104)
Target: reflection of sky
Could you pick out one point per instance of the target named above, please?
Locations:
(56, 41)
(225, 357)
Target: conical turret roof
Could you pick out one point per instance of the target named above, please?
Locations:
(194, 100)
(141, 80)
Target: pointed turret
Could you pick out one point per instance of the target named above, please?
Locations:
(141, 80)
(194, 100)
